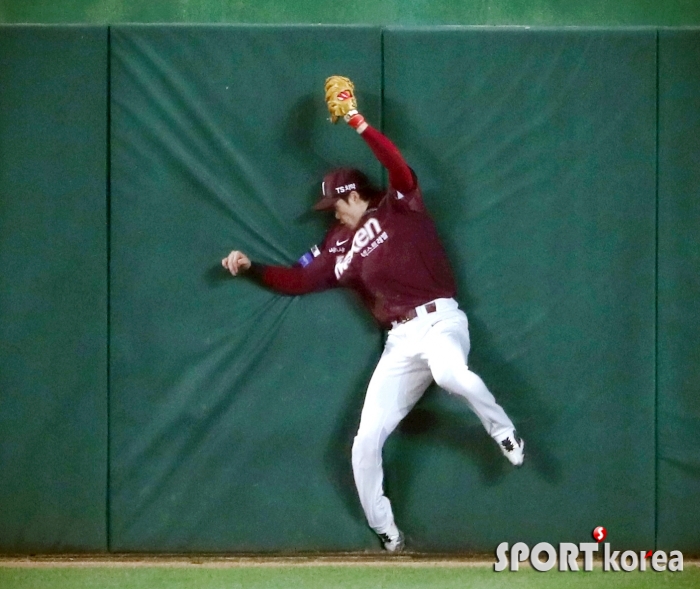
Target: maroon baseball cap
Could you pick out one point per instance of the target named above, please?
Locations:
(339, 184)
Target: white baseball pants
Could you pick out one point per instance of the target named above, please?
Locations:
(433, 346)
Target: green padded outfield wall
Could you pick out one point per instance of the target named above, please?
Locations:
(53, 288)
(233, 409)
(540, 173)
(679, 290)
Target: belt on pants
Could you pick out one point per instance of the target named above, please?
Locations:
(430, 307)
(423, 310)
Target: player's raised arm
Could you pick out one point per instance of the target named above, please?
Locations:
(342, 103)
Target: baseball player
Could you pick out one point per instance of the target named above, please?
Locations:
(385, 247)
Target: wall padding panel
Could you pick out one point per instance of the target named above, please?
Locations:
(679, 290)
(53, 288)
(233, 409)
(540, 171)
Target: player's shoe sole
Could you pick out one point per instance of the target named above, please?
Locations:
(513, 448)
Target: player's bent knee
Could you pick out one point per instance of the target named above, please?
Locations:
(457, 379)
(446, 378)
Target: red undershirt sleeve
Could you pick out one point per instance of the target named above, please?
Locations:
(400, 175)
(290, 281)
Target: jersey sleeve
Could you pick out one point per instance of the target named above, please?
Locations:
(402, 179)
(400, 175)
(313, 272)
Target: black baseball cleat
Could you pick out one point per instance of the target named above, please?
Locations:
(513, 448)
(393, 544)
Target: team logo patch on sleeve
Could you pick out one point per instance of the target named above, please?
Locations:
(309, 256)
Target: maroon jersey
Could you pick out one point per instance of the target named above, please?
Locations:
(393, 259)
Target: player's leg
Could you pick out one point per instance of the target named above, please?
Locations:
(446, 347)
(397, 384)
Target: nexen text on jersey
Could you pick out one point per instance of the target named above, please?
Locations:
(362, 237)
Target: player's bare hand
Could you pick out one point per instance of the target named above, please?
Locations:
(236, 262)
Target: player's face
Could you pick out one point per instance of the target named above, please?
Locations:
(349, 212)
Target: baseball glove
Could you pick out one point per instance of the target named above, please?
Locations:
(340, 98)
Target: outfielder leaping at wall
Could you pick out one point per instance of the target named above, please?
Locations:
(386, 248)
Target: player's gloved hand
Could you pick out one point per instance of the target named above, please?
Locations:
(236, 262)
(341, 101)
